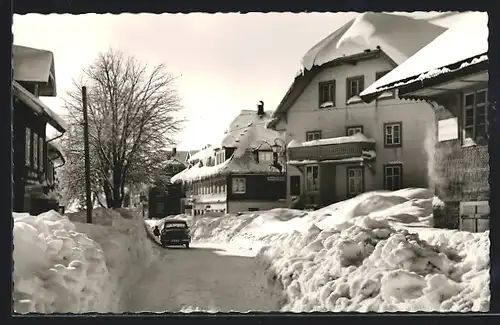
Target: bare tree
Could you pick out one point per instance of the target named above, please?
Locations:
(133, 114)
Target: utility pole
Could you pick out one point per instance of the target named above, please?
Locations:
(87, 155)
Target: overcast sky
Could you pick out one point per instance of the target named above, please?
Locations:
(225, 62)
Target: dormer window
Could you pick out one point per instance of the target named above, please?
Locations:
(220, 157)
(265, 156)
(327, 94)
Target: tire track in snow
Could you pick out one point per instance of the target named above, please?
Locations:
(200, 278)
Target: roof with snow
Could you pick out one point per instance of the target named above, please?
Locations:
(180, 157)
(247, 132)
(35, 66)
(394, 36)
(38, 106)
(463, 45)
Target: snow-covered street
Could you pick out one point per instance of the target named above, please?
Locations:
(204, 278)
(375, 252)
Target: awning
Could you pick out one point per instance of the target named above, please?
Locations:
(39, 107)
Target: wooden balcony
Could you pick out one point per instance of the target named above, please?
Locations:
(331, 150)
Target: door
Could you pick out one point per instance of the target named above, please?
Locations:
(295, 185)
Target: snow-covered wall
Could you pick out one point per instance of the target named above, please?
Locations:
(64, 265)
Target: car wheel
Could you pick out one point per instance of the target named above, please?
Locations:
(187, 245)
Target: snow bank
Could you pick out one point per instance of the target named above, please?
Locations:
(63, 265)
(376, 252)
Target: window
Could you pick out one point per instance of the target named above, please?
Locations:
(393, 134)
(393, 177)
(475, 115)
(354, 181)
(35, 151)
(312, 178)
(239, 185)
(27, 147)
(266, 156)
(327, 94)
(354, 86)
(40, 154)
(50, 172)
(352, 130)
(294, 185)
(474, 216)
(175, 168)
(219, 157)
(313, 135)
(389, 93)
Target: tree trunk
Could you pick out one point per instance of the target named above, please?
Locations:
(117, 183)
(107, 193)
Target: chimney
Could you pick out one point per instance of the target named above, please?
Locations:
(260, 108)
(174, 152)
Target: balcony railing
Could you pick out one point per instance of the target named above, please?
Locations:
(335, 151)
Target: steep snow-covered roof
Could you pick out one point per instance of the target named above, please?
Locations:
(245, 133)
(466, 40)
(248, 130)
(444, 19)
(397, 36)
(180, 156)
(34, 65)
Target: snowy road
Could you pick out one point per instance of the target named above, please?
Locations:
(203, 278)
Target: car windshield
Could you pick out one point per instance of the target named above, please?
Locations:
(175, 225)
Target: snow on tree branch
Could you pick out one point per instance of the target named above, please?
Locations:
(133, 114)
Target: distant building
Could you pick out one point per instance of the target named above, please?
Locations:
(340, 146)
(177, 162)
(34, 154)
(242, 173)
(451, 74)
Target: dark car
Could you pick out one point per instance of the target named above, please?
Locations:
(175, 232)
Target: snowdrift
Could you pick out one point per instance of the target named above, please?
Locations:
(373, 253)
(63, 265)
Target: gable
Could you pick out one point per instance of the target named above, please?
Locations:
(308, 100)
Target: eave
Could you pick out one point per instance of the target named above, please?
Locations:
(433, 86)
(408, 87)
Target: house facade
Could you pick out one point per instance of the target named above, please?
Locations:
(340, 146)
(34, 154)
(177, 162)
(242, 173)
(456, 86)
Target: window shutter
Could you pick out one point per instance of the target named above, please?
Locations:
(334, 92)
(320, 94)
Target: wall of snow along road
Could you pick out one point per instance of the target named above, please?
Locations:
(62, 264)
(376, 252)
